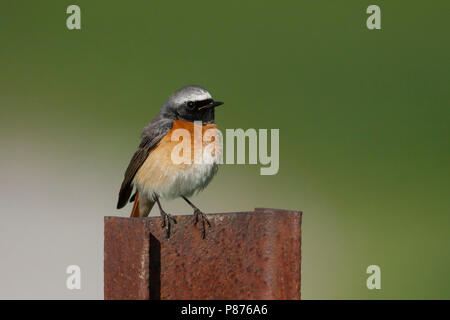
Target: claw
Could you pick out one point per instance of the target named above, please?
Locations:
(166, 220)
(197, 214)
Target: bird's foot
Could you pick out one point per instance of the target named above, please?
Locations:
(198, 215)
(166, 220)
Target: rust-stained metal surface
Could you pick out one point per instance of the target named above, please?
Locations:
(126, 259)
(246, 255)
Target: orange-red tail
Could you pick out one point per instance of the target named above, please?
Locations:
(135, 211)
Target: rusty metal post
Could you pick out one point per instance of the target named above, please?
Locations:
(246, 255)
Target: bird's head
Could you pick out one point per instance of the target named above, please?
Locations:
(191, 103)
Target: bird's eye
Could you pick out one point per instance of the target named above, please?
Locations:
(190, 104)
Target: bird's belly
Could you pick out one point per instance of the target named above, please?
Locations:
(172, 182)
(160, 177)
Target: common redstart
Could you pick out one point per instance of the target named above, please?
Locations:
(152, 171)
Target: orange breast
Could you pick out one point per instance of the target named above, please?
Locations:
(189, 126)
(196, 133)
(158, 169)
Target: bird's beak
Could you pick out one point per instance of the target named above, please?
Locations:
(211, 105)
(216, 104)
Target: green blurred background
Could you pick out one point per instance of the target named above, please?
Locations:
(363, 118)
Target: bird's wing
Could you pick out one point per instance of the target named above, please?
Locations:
(151, 136)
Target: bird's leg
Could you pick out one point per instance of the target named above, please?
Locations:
(166, 218)
(198, 214)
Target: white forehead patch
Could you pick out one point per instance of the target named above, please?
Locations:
(193, 94)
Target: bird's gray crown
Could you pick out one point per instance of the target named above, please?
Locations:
(189, 93)
(190, 103)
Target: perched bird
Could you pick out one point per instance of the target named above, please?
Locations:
(153, 173)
